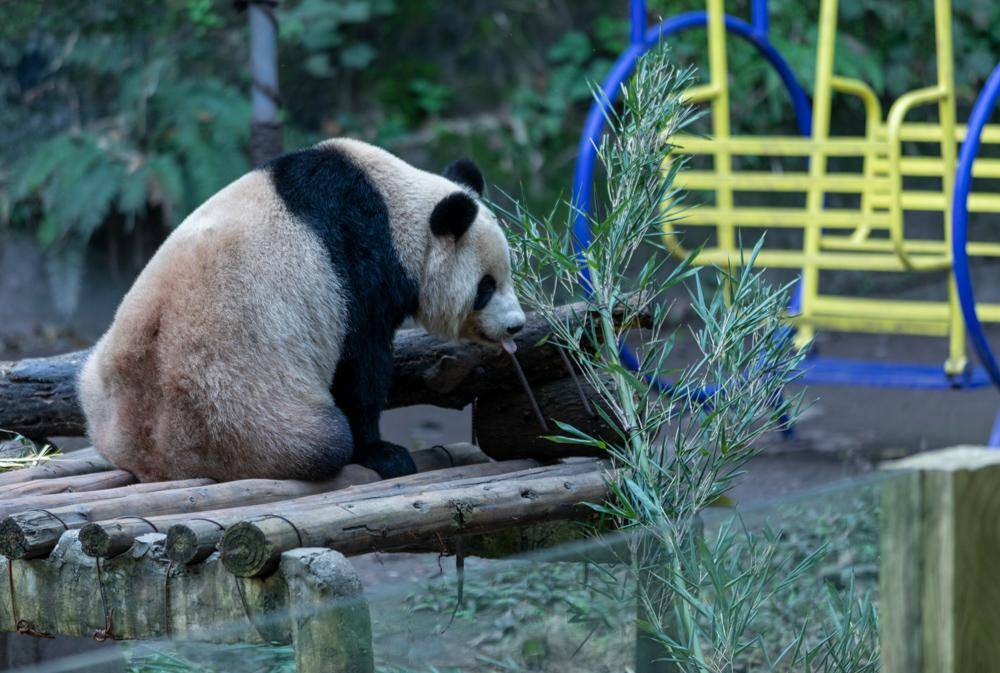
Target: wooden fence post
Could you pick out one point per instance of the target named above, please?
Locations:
(331, 623)
(940, 569)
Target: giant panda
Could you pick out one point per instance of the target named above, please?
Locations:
(257, 340)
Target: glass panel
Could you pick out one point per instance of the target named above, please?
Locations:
(573, 607)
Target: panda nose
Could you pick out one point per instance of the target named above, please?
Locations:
(514, 329)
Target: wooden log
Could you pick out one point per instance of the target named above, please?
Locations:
(450, 455)
(20, 504)
(80, 483)
(252, 548)
(507, 428)
(37, 396)
(34, 533)
(939, 596)
(193, 539)
(84, 461)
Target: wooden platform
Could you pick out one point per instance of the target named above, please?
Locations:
(87, 552)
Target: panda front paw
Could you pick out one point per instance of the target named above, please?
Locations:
(389, 460)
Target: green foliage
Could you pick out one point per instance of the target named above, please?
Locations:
(127, 119)
(318, 26)
(679, 448)
(153, 94)
(135, 112)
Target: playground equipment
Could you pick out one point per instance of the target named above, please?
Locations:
(846, 197)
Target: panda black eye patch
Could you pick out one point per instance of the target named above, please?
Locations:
(487, 286)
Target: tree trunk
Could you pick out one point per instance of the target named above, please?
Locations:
(506, 425)
(265, 125)
(37, 396)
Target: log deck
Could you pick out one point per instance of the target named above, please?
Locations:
(283, 546)
(74, 528)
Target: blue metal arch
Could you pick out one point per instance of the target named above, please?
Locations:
(641, 42)
(960, 222)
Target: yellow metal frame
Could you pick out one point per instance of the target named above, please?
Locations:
(869, 237)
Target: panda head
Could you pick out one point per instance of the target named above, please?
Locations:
(466, 287)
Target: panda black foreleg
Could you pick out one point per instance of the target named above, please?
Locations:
(389, 460)
(360, 387)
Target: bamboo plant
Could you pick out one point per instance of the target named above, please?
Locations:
(683, 431)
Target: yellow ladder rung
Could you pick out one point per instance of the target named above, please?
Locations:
(875, 325)
(927, 200)
(932, 167)
(896, 309)
(792, 146)
(980, 249)
(784, 217)
(785, 182)
(927, 132)
(795, 259)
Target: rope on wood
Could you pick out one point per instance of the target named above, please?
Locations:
(298, 533)
(24, 627)
(214, 523)
(142, 519)
(243, 600)
(45, 511)
(100, 635)
(166, 599)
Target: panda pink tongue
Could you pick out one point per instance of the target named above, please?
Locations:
(508, 345)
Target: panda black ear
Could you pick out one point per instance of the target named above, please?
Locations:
(453, 215)
(464, 172)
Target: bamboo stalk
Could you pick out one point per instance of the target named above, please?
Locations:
(20, 504)
(83, 461)
(79, 483)
(34, 533)
(252, 548)
(193, 539)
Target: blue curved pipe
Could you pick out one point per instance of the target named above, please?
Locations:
(960, 222)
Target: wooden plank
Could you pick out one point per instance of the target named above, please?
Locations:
(20, 504)
(94, 481)
(902, 560)
(940, 544)
(38, 396)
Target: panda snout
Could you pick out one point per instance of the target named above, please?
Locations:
(514, 328)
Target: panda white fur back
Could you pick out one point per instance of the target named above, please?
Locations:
(257, 340)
